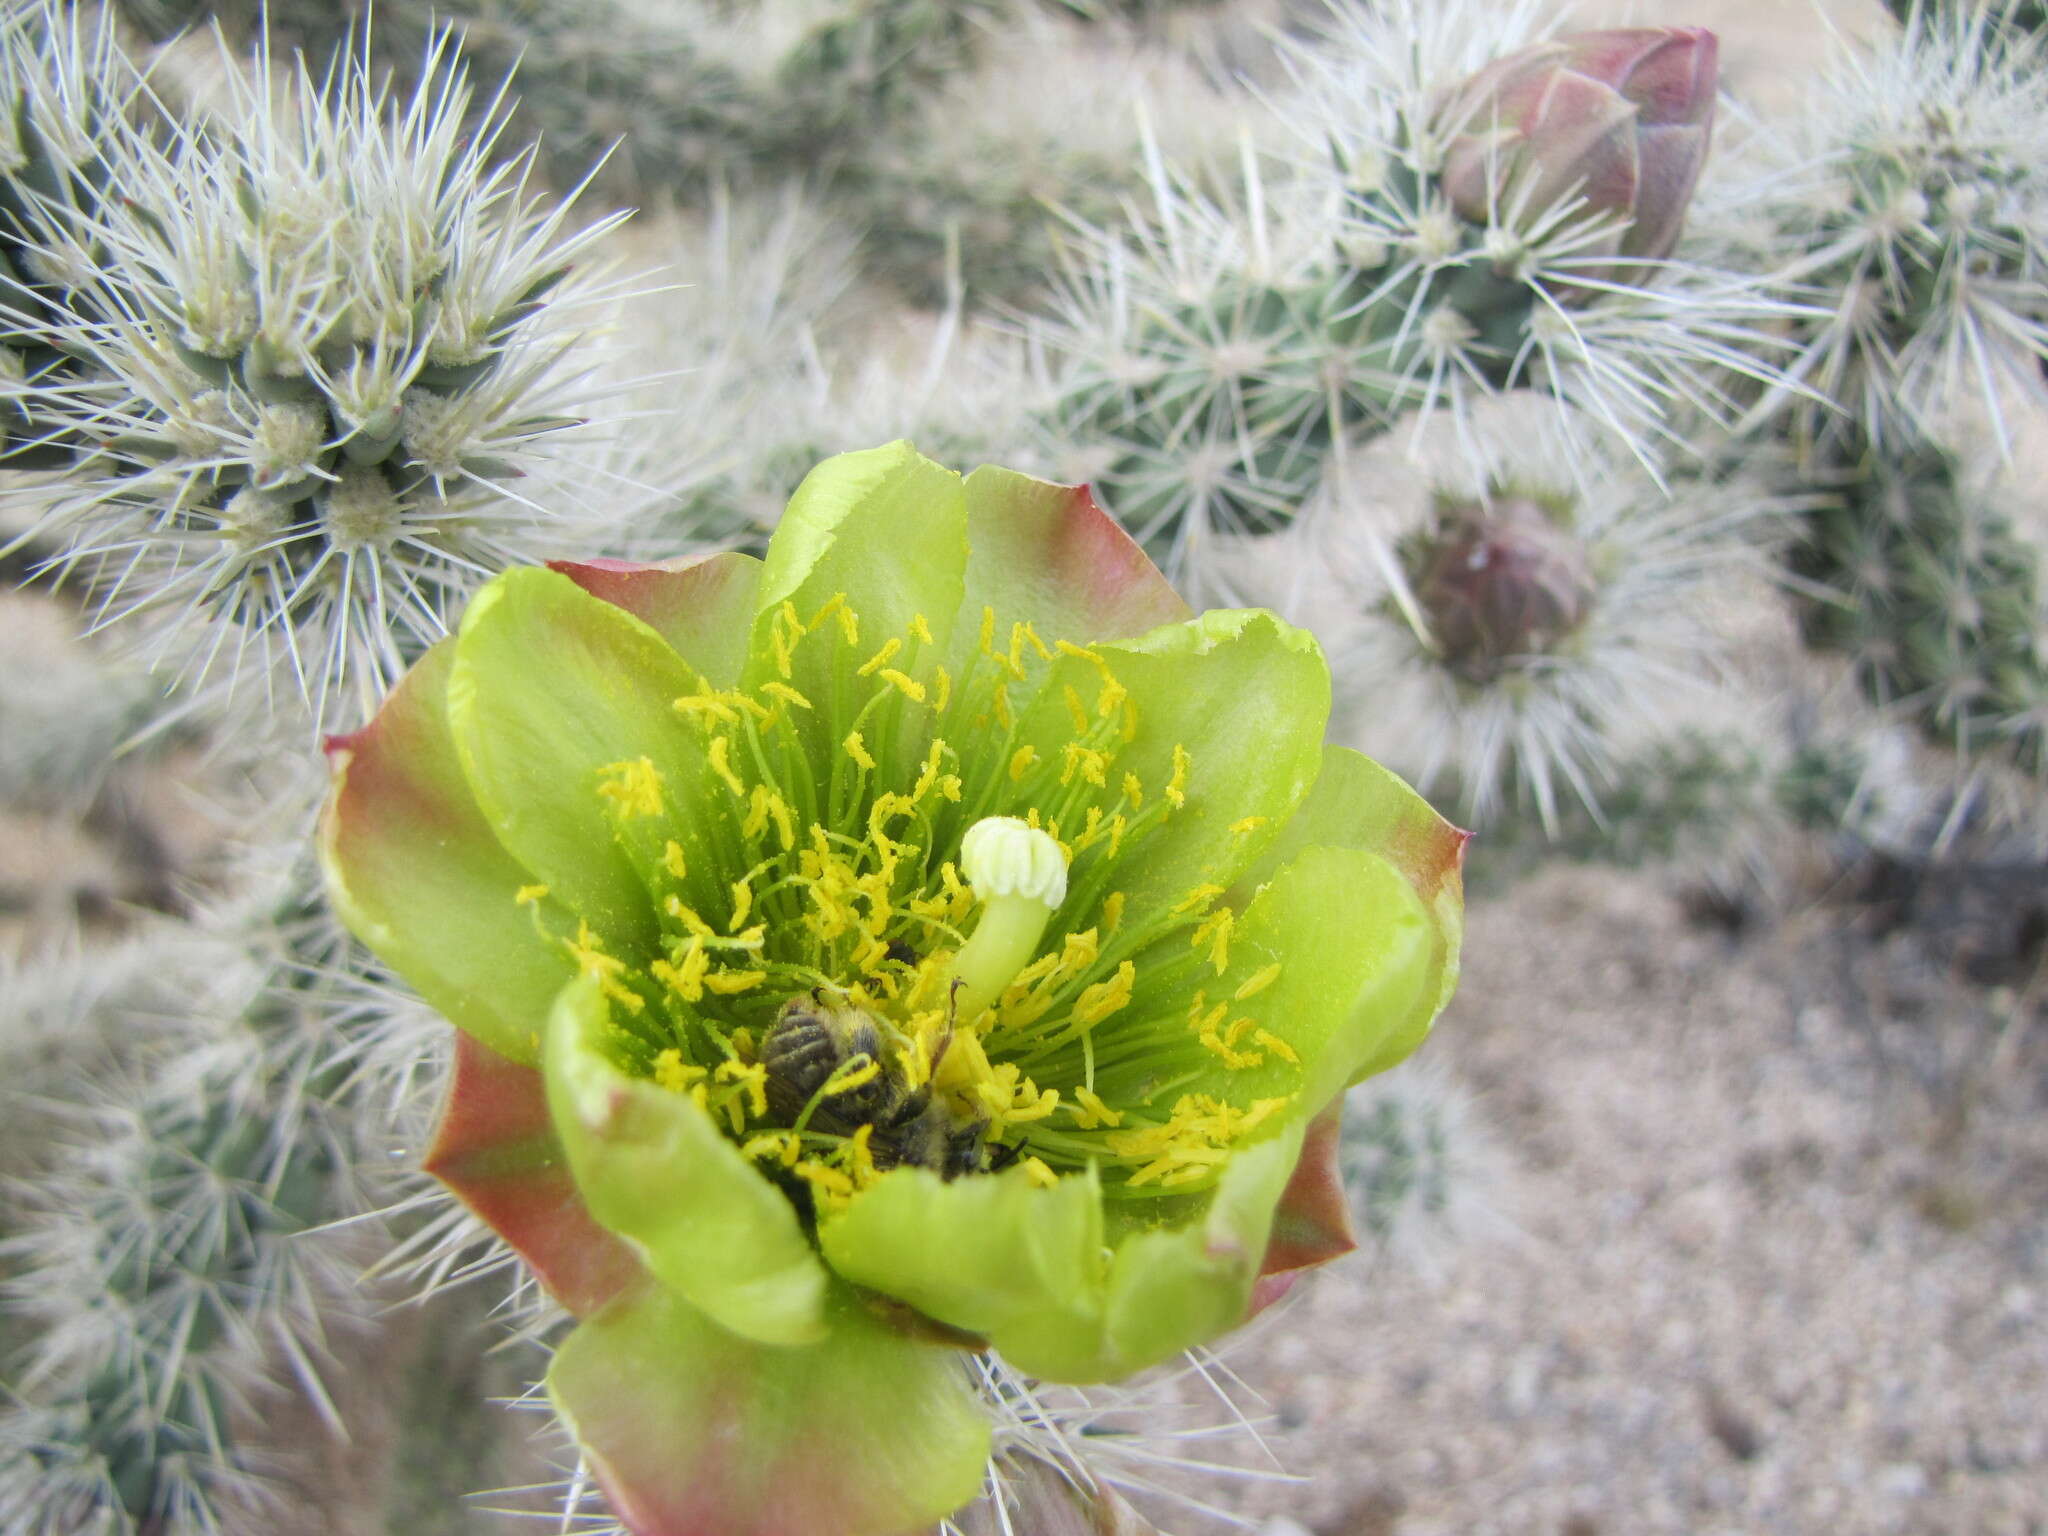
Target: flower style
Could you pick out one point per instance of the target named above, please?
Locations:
(928, 937)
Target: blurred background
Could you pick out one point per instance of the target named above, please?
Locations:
(1718, 1202)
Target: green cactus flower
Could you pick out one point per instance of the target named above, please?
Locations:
(928, 937)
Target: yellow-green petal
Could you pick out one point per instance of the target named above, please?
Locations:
(416, 872)
(1028, 1268)
(694, 1431)
(1240, 695)
(653, 1167)
(551, 689)
(1356, 803)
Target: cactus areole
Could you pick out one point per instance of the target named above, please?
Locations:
(926, 938)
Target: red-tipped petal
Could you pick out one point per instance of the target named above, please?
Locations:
(416, 872)
(496, 1148)
(1313, 1223)
(701, 605)
(1049, 555)
(693, 1431)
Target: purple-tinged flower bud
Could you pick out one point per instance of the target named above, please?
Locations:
(1620, 118)
(1499, 583)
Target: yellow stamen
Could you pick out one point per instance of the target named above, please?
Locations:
(672, 859)
(1177, 786)
(1093, 1112)
(527, 895)
(857, 750)
(633, 787)
(1277, 1046)
(1038, 1175)
(921, 630)
(755, 1078)
(1258, 981)
(733, 983)
(787, 694)
(881, 658)
(675, 1074)
(1246, 824)
(1098, 1002)
(1077, 709)
(909, 687)
(720, 759)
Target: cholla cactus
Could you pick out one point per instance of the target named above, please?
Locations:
(336, 353)
(1912, 204)
(164, 1253)
(1916, 575)
(1464, 228)
(1514, 616)
(62, 81)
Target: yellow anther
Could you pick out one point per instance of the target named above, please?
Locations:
(1134, 792)
(857, 750)
(908, 686)
(1076, 708)
(742, 904)
(786, 694)
(1258, 981)
(706, 704)
(633, 787)
(1038, 1175)
(753, 1076)
(1176, 787)
(527, 895)
(832, 1187)
(1215, 930)
(685, 978)
(1001, 700)
(1111, 698)
(602, 968)
(783, 1146)
(1021, 762)
(860, 1160)
(672, 859)
(1246, 824)
(988, 632)
(1201, 1022)
(1112, 911)
(1092, 1112)
(674, 1073)
(720, 759)
(1089, 763)
(1098, 1002)
(1277, 1046)
(858, 1077)
(733, 983)
(942, 690)
(920, 630)
(828, 609)
(1197, 899)
(881, 658)
(1079, 952)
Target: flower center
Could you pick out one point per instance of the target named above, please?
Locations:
(876, 950)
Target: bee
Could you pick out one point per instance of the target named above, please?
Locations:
(812, 1039)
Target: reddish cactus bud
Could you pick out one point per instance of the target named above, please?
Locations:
(1498, 583)
(1620, 118)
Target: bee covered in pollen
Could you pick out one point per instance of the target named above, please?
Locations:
(831, 1069)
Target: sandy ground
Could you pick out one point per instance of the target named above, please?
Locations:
(1778, 1258)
